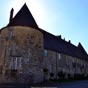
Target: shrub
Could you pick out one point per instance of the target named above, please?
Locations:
(45, 70)
(61, 75)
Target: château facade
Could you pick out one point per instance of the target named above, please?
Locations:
(30, 54)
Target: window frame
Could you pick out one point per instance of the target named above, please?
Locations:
(15, 63)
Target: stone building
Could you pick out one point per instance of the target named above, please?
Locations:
(30, 54)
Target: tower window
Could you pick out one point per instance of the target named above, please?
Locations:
(15, 63)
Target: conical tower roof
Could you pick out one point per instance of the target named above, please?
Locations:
(23, 18)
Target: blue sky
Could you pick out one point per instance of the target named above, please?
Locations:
(68, 18)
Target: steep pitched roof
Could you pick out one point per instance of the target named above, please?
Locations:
(54, 43)
(23, 18)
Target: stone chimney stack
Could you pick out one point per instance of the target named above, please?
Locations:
(59, 36)
(64, 39)
(69, 41)
(11, 15)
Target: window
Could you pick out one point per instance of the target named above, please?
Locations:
(10, 34)
(0, 69)
(59, 56)
(45, 53)
(15, 63)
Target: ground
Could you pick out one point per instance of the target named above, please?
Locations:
(77, 84)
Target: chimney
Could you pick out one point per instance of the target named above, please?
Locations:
(69, 41)
(0, 35)
(64, 39)
(11, 15)
(59, 36)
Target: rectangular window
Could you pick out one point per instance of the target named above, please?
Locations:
(45, 53)
(10, 34)
(59, 56)
(15, 63)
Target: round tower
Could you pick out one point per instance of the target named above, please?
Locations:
(22, 47)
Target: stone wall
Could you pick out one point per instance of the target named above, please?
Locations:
(64, 63)
(25, 43)
(50, 63)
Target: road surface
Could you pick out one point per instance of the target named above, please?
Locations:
(79, 84)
